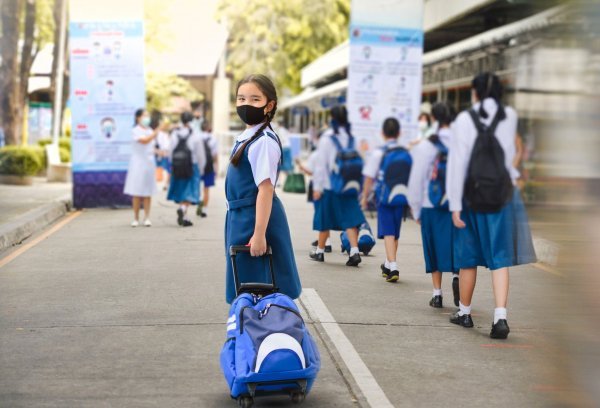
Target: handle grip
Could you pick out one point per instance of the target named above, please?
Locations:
(259, 288)
(236, 249)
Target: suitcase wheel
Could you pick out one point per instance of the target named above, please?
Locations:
(298, 397)
(245, 402)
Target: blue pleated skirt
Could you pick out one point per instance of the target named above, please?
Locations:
(495, 240)
(438, 236)
(181, 190)
(336, 212)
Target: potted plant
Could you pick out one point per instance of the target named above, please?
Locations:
(18, 165)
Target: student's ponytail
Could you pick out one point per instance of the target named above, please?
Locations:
(488, 85)
(339, 118)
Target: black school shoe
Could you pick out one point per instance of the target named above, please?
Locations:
(327, 247)
(385, 271)
(500, 330)
(180, 216)
(393, 277)
(464, 320)
(317, 257)
(455, 291)
(186, 223)
(436, 302)
(354, 260)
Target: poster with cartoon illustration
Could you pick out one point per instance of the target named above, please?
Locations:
(385, 70)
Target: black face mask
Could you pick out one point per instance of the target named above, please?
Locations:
(251, 115)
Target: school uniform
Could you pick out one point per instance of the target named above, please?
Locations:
(140, 180)
(163, 144)
(333, 211)
(389, 218)
(260, 162)
(493, 240)
(437, 231)
(209, 178)
(188, 189)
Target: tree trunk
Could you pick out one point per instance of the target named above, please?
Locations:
(9, 70)
(26, 59)
(57, 13)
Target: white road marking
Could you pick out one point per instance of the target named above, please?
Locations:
(362, 375)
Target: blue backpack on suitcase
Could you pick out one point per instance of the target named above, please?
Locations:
(392, 180)
(437, 184)
(268, 349)
(346, 177)
(366, 240)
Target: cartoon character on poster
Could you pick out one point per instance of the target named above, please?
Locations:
(109, 90)
(367, 52)
(365, 112)
(108, 128)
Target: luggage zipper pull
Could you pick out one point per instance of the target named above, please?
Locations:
(264, 311)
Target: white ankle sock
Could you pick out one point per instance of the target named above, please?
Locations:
(320, 250)
(463, 310)
(387, 264)
(328, 242)
(183, 207)
(353, 251)
(454, 275)
(499, 313)
(437, 292)
(393, 266)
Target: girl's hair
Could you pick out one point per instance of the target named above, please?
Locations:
(186, 117)
(391, 128)
(267, 87)
(427, 118)
(488, 85)
(138, 115)
(443, 113)
(339, 118)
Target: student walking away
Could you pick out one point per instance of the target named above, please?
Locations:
(387, 171)
(163, 150)
(337, 183)
(255, 215)
(188, 159)
(429, 204)
(486, 206)
(211, 150)
(140, 181)
(309, 169)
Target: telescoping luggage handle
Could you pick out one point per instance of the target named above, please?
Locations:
(256, 288)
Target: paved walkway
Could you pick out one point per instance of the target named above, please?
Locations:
(100, 314)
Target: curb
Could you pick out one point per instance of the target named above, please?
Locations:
(25, 225)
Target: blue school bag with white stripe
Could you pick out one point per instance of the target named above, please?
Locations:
(268, 348)
(437, 184)
(392, 180)
(366, 240)
(346, 177)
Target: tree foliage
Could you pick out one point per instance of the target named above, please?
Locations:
(279, 38)
(161, 88)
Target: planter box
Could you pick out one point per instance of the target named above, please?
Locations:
(16, 180)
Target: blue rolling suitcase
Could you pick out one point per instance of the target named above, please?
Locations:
(366, 241)
(268, 348)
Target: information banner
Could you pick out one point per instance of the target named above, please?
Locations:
(107, 86)
(385, 71)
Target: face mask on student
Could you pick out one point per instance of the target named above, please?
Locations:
(251, 115)
(423, 126)
(146, 121)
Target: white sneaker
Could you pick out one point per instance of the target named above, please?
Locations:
(147, 223)
(134, 223)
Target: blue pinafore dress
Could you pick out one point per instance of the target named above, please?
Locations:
(241, 193)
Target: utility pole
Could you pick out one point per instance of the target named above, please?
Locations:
(59, 79)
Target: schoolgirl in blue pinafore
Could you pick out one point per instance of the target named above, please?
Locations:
(241, 193)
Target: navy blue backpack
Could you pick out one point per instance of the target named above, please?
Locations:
(346, 177)
(392, 179)
(268, 349)
(437, 183)
(366, 240)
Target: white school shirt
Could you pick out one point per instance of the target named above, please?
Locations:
(212, 143)
(373, 160)
(311, 163)
(424, 155)
(464, 134)
(264, 155)
(194, 143)
(325, 158)
(163, 140)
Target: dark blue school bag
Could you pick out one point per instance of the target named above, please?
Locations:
(392, 180)
(437, 183)
(268, 349)
(366, 240)
(346, 177)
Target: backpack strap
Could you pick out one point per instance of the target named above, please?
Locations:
(337, 143)
(481, 128)
(437, 142)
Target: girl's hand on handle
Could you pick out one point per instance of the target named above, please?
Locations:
(316, 195)
(258, 245)
(458, 223)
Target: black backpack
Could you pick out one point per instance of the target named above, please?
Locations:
(183, 165)
(488, 186)
(210, 165)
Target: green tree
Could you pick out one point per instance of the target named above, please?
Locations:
(161, 88)
(279, 38)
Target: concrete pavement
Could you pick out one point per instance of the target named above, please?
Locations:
(103, 315)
